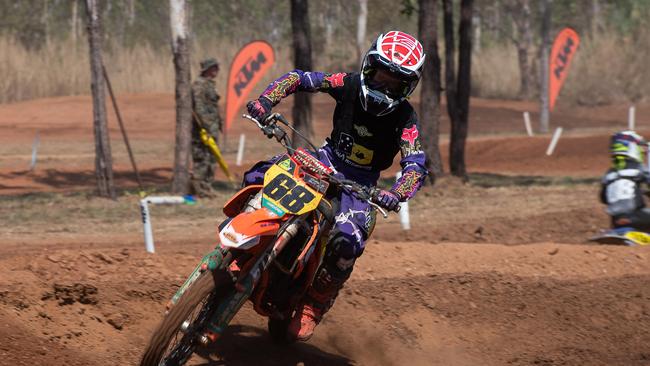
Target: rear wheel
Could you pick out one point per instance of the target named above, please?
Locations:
(176, 338)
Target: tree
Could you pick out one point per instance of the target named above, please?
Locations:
(519, 11)
(103, 157)
(73, 23)
(430, 85)
(362, 20)
(180, 49)
(302, 61)
(544, 65)
(458, 94)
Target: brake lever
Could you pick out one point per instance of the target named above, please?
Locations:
(379, 208)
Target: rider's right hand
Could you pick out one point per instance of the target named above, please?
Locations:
(259, 109)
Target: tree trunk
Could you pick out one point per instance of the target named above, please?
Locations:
(595, 24)
(544, 65)
(450, 67)
(430, 86)
(459, 128)
(103, 158)
(362, 20)
(302, 60)
(520, 13)
(330, 19)
(130, 12)
(458, 94)
(45, 18)
(73, 23)
(181, 54)
(477, 32)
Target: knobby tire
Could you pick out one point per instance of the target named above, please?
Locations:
(170, 325)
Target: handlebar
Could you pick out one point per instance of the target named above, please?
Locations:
(271, 129)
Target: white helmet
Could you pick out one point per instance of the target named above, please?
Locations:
(390, 71)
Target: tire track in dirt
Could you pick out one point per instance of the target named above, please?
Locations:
(506, 319)
(431, 304)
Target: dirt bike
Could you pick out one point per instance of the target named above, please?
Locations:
(271, 247)
(622, 236)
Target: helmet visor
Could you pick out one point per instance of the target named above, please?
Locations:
(388, 83)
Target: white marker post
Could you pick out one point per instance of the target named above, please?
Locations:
(37, 142)
(554, 140)
(240, 149)
(529, 127)
(404, 217)
(146, 217)
(631, 118)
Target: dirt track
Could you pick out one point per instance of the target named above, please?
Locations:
(66, 155)
(446, 304)
(496, 272)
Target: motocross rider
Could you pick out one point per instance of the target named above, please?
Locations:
(621, 186)
(372, 121)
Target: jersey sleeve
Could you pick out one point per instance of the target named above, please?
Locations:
(298, 80)
(414, 170)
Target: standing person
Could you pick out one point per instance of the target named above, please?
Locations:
(372, 122)
(205, 107)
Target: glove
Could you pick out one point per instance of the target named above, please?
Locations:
(387, 199)
(259, 109)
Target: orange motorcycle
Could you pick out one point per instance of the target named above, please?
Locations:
(270, 249)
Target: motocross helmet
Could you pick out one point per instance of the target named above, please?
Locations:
(390, 71)
(628, 145)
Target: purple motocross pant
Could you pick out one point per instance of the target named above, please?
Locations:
(355, 219)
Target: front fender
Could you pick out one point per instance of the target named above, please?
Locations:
(244, 230)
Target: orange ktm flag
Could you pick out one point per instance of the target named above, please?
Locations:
(565, 46)
(246, 69)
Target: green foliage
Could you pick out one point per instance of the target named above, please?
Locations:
(409, 8)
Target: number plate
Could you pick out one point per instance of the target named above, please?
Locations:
(284, 192)
(638, 237)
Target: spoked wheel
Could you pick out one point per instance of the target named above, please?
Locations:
(176, 337)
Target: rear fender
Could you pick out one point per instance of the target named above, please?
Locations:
(244, 231)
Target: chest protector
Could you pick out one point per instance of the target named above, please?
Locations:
(622, 191)
(363, 140)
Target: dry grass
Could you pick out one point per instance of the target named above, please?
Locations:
(62, 68)
(605, 70)
(495, 72)
(609, 69)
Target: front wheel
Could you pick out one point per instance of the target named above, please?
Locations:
(176, 338)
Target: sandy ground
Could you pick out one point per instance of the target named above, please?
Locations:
(495, 272)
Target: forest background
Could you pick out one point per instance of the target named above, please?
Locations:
(43, 47)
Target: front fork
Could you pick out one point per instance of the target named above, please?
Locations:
(244, 286)
(211, 261)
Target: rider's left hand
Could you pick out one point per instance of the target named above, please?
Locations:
(388, 199)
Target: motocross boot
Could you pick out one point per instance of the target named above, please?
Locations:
(319, 299)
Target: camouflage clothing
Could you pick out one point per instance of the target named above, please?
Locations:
(204, 102)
